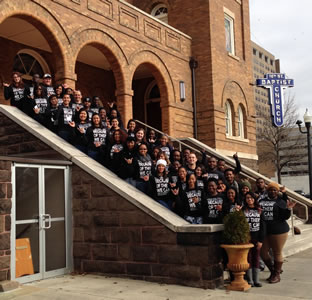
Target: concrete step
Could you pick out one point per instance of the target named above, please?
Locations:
(298, 243)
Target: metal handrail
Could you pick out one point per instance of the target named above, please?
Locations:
(245, 171)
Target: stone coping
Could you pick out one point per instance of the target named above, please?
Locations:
(137, 198)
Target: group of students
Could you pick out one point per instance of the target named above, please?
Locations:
(201, 192)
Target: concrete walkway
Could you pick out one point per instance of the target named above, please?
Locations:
(296, 284)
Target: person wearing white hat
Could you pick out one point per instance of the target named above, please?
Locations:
(159, 187)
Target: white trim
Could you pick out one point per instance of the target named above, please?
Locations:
(230, 17)
(229, 13)
(241, 125)
(38, 57)
(237, 138)
(228, 119)
(163, 17)
(155, 19)
(230, 153)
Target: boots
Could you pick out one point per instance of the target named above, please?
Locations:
(249, 277)
(269, 264)
(275, 278)
(255, 276)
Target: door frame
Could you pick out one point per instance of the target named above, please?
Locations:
(67, 219)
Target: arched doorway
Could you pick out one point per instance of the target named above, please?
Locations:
(152, 108)
(30, 48)
(95, 76)
(147, 96)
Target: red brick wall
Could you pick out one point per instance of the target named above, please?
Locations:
(114, 237)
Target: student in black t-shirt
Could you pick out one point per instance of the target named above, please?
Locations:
(256, 223)
(48, 88)
(191, 163)
(50, 115)
(131, 127)
(65, 118)
(276, 210)
(38, 105)
(98, 140)
(143, 168)
(59, 92)
(116, 146)
(189, 202)
(127, 170)
(17, 92)
(79, 139)
(159, 187)
(213, 204)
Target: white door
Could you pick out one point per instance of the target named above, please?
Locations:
(41, 216)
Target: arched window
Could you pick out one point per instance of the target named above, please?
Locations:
(160, 12)
(241, 129)
(28, 63)
(228, 119)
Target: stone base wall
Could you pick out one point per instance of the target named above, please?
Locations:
(5, 219)
(114, 237)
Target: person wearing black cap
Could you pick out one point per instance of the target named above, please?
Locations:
(87, 105)
(48, 89)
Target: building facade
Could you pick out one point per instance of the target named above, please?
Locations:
(124, 51)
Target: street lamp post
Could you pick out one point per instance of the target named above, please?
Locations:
(307, 121)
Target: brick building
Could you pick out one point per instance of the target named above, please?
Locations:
(117, 50)
(120, 52)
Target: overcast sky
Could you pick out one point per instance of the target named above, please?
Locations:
(283, 27)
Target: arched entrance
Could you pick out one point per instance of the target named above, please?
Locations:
(30, 47)
(95, 75)
(147, 96)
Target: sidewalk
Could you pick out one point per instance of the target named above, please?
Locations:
(296, 284)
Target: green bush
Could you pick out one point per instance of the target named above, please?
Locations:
(236, 229)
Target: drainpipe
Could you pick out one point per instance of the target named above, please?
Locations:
(193, 66)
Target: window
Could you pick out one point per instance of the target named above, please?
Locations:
(229, 34)
(28, 62)
(254, 51)
(260, 55)
(241, 129)
(228, 119)
(160, 12)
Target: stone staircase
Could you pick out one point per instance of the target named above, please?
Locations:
(300, 242)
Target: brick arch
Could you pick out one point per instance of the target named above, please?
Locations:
(108, 46)
(233, 90)
(158, 70)
(48, 26)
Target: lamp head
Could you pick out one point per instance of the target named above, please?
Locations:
(299, 122)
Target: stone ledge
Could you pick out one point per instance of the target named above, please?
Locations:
(7, 285)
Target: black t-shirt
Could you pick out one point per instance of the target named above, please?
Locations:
(210, 212)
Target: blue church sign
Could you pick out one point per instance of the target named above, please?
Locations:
(276, 83)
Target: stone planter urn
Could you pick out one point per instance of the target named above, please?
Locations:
(238, 264)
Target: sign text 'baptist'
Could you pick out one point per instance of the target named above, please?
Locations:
(276, 83)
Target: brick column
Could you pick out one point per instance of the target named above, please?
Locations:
(124, 105)
(5, 219)
(69, 80)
